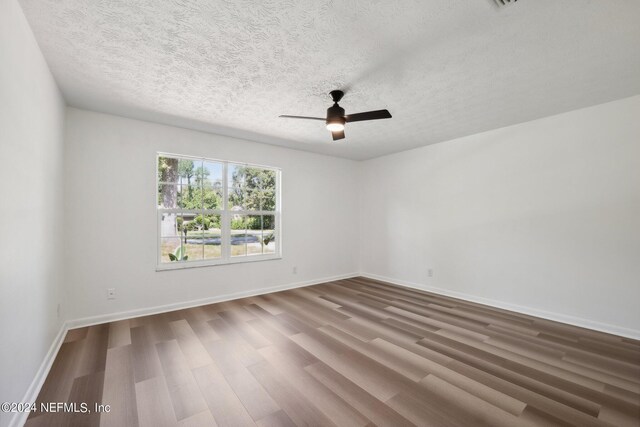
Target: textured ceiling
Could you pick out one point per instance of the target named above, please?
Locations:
(444, 69)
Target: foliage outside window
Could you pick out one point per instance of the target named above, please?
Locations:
(215, 212)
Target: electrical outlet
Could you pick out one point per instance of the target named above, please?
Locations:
(430, 272)
(295, 270)
(111, 293)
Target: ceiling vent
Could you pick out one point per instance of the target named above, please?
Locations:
(505, 2)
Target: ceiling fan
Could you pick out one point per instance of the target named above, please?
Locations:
(336, 118)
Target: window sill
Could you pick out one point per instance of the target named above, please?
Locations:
(180, 265)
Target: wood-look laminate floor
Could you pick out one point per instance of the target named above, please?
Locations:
(354, 352)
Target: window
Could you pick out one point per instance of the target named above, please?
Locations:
(215, 212)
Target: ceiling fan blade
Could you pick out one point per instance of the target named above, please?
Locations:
(303, 117)
(369, 115)
(339, 134)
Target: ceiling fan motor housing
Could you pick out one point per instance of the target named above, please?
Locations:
(335, 114)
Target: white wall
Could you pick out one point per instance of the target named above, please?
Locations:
(542, 216)
(111, 216)
(31, 190)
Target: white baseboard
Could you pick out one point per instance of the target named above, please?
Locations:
(111, 317)
(558, 317)
(19, 418)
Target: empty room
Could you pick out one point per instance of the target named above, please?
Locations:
(319, 213)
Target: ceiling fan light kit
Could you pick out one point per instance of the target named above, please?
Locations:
(334, 125)
(336, 118)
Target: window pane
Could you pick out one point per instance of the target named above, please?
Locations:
(236, 175)
(194, 249)
(180, 249)
(171, 225)
(172, 196)
(212, 237)
(236, 199)
(190, 197)
(268, 200)
(251, 178)
(181, 224)
(168, 195)
(268, 179)
(168, 170)
(253, 235)
(248, 200)
(212, 174)
(252, 200)
(238, 241)
(187, 169)
(212, 197)
(169, 246)
(268, 234)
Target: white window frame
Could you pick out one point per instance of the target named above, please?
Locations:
(225, 219)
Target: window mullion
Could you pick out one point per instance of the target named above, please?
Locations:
(159, 239)
(202, 210)
(225, 219)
